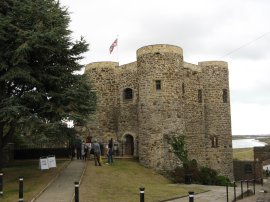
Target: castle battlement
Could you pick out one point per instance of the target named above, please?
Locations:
(159, 48)
(105, 64)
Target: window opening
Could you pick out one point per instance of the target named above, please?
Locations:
(128, 94)
(200, 96)
(248, 168)
(158, 84)
(225, 95)
(183, 88)
(214, 141)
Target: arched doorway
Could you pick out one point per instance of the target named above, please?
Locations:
(129, 145)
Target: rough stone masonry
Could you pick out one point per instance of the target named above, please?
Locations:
(142, 104)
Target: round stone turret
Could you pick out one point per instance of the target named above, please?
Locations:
(160, 48)
(160, 73)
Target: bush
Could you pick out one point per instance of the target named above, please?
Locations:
(222, 181)
(190, 169)
(202, 175)
(178, 175)
(207, 176)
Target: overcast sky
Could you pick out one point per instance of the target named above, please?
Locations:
(236, 31)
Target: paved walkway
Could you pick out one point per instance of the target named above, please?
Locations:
(62, 188)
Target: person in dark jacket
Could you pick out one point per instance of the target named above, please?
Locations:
(96, 148)
(78, 147)
(110, 152)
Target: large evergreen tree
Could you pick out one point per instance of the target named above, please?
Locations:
(38, 61)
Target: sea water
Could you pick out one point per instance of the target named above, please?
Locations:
(247, 143)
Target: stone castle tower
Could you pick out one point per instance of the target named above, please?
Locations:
(141, 104)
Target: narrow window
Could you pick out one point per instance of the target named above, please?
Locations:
(214, 141)
(128, 94)
(225, 95)
(183, 88)
(200, 96)
(248, 168)
(158, 85)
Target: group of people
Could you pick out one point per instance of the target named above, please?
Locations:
(84, 149)
(80, 148)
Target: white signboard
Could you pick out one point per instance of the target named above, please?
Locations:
(43, 163)
(51, 161)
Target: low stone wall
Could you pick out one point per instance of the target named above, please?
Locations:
(261, 156)
(244, 170)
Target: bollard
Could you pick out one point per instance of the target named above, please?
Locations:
(262, 181)
(254, 186)
(20, 189)
(227, 192)
(242, 195)
(247, 189)
(76, 191)
(234, 190)
(141, 194)
(191, 196)
(1, 184)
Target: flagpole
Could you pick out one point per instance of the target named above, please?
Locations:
(118, 48)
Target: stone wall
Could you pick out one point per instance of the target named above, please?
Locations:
(160, 110)
(217, 116)
(169, 97)
(194, 114)
(104, 124)
(261, 157)
(244, 170)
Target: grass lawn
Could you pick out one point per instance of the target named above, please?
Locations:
(245, 154)
(34, 179)
(121, 181)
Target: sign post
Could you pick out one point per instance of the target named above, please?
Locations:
(51, 161)
(43, 163)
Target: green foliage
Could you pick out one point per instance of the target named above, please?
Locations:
(45, 135)
(207, 175)
(201, 175)
(223, 181)
(38, 64)
(178, 145)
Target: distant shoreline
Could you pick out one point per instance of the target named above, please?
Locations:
(237, 137)
(247, 141)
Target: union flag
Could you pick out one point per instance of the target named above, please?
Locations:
(114, 44)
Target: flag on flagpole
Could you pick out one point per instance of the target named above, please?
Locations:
(114, 44)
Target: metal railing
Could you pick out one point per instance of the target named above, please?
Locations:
(250, 188)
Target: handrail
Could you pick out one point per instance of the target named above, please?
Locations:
(253, 181)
